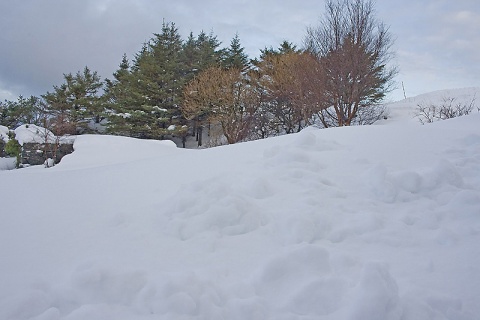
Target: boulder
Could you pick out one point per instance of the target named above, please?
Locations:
(36, 153)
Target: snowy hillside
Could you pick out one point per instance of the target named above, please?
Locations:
(377, 222)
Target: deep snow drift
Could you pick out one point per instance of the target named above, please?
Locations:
(376, 222)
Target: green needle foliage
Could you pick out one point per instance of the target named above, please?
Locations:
(14, 149)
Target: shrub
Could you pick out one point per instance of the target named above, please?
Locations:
(14, 149)
(447, 109)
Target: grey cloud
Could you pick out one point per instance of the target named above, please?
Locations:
(43, 39)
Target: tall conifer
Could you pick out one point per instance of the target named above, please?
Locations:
(235, 56)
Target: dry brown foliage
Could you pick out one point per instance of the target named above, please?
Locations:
(224, 97)
(290, 89)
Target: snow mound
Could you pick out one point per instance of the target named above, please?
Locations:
(377, 222)
(4, 133)
(7, 163)
(32, 133)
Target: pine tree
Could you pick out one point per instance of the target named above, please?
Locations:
(77, 100)
(31, 110)
(191, 56)
(201, 53)
(22, 111)
(235, 56)
(209, 54)
(83, 89)
(58, 111)
(147, 97)
(284, 48)
(120, 98)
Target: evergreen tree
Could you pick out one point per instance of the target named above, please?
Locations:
(284, 48)
(58, 117)
(191, 56)
(22, 111)
(201, 53)
(147, 97)
(235, 56)
(83, 89)
(77, 100)
(120, 98)
(14, 149)
(209, 54)
(31, 110)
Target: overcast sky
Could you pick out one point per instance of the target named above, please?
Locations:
(437, 41)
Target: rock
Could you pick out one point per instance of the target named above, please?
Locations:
(36, 153)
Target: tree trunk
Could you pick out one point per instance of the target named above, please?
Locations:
(199, 135)
(194, 131)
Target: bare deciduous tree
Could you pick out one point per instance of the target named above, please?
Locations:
(353, 48)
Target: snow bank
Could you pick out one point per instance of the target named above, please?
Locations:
(94, 150)
(7, 163)
(378, 222)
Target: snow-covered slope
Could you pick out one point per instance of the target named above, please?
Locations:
(378, 222)
(405, 110)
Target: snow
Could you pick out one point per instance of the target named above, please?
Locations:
(8, 163)
(124, 115)
(4, 133)
(404, 111)
(372, 222)
(36, 134)
(32, 133)
(157, 108)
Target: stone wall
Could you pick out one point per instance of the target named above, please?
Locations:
(37, 153)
